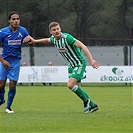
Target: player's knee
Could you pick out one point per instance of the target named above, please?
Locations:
(2, 85)
(70, 86)
(12, 85)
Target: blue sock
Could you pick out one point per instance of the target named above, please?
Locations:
(11, 95)
(2, 93)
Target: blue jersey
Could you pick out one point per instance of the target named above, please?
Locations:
(12, 42)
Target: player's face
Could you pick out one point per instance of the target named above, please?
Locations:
(14, 21)
(56, 31)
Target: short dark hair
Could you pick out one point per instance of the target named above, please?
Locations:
(12, 13)
(52, 24)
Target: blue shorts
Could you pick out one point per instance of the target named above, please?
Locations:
(12, 73)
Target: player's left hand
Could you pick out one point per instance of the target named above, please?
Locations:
(95, 64)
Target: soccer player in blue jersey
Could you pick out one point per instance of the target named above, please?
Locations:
(11, 38)
(70, 48)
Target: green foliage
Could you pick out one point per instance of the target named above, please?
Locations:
(57, 109)
(83, 19)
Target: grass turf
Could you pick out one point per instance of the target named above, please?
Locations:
(43, 109)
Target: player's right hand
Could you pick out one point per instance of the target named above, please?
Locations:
(5, 64)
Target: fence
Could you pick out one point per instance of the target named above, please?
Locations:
(106, 55)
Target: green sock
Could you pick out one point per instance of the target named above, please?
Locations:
(91, 102)
(85, 93)
(80, 93)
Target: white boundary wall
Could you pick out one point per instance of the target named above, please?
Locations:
(32, 74)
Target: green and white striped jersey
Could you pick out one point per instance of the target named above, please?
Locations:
(68, 50)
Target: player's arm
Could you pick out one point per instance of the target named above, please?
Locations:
(43, 40)
(86, 51)
(4, 62)
(40, 41)
(1, 58)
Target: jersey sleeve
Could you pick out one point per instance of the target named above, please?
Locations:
(70, 40)
(1, 35)
(26, 32)
(51, 39)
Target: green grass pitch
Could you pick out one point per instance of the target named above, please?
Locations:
(55, 109)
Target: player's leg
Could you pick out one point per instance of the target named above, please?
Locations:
(2, 92)
(79, 84)
(91, 102)
(75, 75)
(89, 105)
(76, 89)
(74, 84)
(79, 92)
(3, 74)
(11, 95)
(13, 75)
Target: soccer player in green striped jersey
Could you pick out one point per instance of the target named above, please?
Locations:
(70, 48)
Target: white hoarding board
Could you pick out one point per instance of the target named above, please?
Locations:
(132, 56)
(109, 74)
(43, 74)
(60, 74)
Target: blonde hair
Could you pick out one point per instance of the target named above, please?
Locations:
(52, 24)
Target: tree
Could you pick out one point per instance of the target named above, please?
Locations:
(84, 19)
